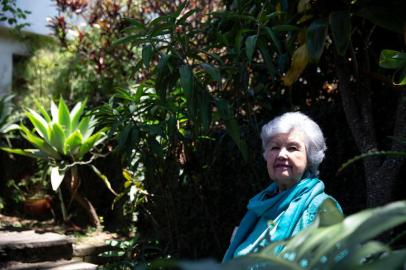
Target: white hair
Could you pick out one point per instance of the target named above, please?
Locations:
(314, 139)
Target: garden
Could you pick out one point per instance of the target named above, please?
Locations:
(143, 122)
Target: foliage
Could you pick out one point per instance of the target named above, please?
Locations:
(6, 121)
(394, 60)
(12, 14)
(346, 245)
(63, 139)
(95, 69)
(128, 254)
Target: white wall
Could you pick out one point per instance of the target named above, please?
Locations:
(9, 46)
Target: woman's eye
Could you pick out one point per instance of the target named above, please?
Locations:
(292, 148)
(274, 148)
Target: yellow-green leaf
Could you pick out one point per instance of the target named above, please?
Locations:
(300, 60)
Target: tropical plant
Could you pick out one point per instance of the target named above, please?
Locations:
(349, 244)
(64, 139)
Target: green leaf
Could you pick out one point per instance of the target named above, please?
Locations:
(267, 58)
(104, 179)
(275, 40)
(39, 143)
(42, 110)
(39, 123)
(389, 15)
(340, 23)
(186, 81)
(285, 28)
(146, 55)
(250, 44)
(391, 59)
(212, 71)
(64, 117)
(54, 112)
(371, 154)
(401, 79)
(84, 125)
(76, 113)
(315, 39)
(57, 138)
(91, 142)
(73, 143)
(57, 177)
(32, 153)
(232, 127)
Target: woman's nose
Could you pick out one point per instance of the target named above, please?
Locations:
(282, 153)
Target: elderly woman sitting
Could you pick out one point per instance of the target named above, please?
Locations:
(294, 147)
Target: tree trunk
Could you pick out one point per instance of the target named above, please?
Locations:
(82, 200)
(380, 172)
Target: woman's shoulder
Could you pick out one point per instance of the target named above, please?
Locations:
(326, 208)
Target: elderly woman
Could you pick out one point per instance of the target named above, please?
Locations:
(294, 147)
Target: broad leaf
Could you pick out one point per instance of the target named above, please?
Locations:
(250, 44)
(64, 117)
(300, 60)
(57, 138)
(392, 59)
(212, 71)
(56, 177)
(146, 55)
(76, 113)
(315, 39)
(73, 143)
(39, 143)
(40, 124)
(232, 127)
(340, 23)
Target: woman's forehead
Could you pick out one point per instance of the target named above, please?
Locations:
(293, 136)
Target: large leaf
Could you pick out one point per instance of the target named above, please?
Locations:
(315, 39)
(39, 123)
(57, 138)
(387, 15)
(56, 177)
(32, 153)
(91, 142)
(392, 59)
(275, 39)
(146, 55)
(40, 143)
(232, 127)
(73, 143)
(300, 60)
(42, 110)
(212, 71)
(340, 23)
(250, 44)
(64, 117)
(76, 113)
(186, 81)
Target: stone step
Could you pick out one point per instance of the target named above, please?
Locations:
(29, 246)
(49, 265)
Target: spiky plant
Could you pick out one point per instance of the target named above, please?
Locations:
(63, 139)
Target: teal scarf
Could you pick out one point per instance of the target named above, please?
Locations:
(293, 201)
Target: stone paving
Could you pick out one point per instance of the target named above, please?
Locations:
(31, 250)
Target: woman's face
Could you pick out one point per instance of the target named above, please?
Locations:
(287, 158)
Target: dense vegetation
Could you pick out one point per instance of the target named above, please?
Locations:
(182, 90)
